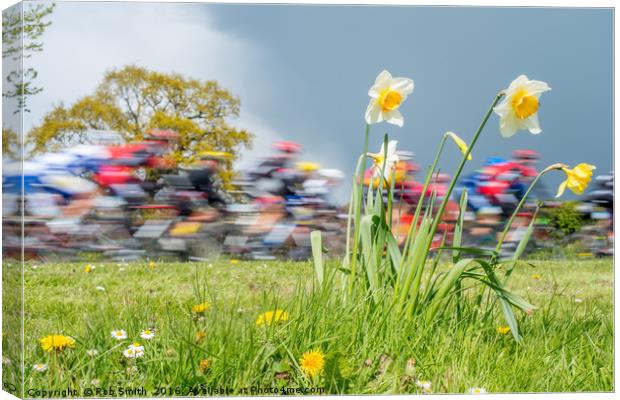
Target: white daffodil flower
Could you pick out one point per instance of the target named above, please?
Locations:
(386, 96)
(519, 109)
(391, 158)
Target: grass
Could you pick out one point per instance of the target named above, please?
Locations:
(568, 340)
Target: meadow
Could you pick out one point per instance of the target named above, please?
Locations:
(207, 337)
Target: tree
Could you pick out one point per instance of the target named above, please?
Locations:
(133, 100)
(22, 28)
(21, 38)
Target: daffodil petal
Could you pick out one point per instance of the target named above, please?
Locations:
(537, 87)
(394, 117)
(383, 80)
(391, 147)
(508, 126)
(520, 81)
(532, 124)
(402, 85)
(561, 188)
(502, 108)
(373, 113)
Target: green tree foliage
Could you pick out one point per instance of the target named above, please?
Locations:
(10, 142)
(132, 100)
(566, 218)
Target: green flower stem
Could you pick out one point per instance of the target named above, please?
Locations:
(457, 174)
(358, 210)
(520, 205)
(418, 208)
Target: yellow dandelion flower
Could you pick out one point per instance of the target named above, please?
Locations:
(57, 342)
(312, 362)
(502, 330)
(152, 265)
(200, 335)
(88, 268)
(201, 308)
(204, 365)
(536, 276)
(234, 261)
(270, 317)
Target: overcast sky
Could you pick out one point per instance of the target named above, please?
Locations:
(303, 72)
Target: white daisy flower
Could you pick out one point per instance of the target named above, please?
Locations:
(92, 352)
(147, 334)
(119, 334)
(577, 300)
(100, 288)
(476, 390)
(424, 385)
(95, 382)
(133, 353)
(40, 367)
(136, 346)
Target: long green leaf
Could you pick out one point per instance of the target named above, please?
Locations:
(369, 261)
(448, 282)
(500, 292)
(394, 253)
(458, 229)
(521, 247)
(317, 255)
